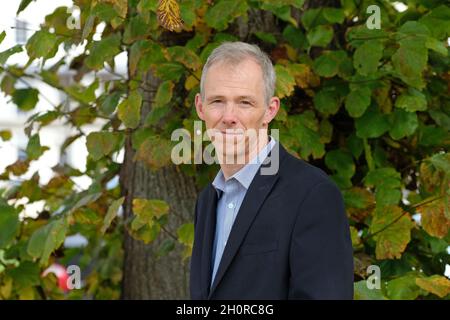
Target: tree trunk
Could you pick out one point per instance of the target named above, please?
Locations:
(145, 276)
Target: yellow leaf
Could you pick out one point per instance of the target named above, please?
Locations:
(149, 209)
(169, 14)
(191, 82)
(392, 231)
(26, 294)
(6, 288)
(285, 81)
(438, 285)
(154, 152)
(433, 218)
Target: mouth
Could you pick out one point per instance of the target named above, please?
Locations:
(232, 132)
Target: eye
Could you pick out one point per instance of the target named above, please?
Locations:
(245, 102)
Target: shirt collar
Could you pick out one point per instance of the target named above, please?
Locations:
(246, 174)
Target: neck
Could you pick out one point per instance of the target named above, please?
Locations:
(230, 169)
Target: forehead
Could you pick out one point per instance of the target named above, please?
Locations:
(244, 75)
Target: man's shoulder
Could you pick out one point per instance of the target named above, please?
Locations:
(205, 191)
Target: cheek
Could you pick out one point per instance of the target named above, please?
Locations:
(212, 115)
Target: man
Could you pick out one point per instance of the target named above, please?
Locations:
(282, 235)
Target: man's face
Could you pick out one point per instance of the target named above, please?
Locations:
(234, 107)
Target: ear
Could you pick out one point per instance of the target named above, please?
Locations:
(199, 106)
(272, 110)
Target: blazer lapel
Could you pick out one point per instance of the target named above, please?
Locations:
(208, 240)
(256, 194)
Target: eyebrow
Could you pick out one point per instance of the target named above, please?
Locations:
(212, 98)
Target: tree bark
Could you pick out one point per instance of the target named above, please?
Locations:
(145, 276)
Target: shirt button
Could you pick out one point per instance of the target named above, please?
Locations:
(230, 205)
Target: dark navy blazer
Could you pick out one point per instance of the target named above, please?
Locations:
(290, 239)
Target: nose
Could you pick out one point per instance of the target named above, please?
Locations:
(229, 118)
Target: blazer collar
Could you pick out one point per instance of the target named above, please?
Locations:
(257, 192)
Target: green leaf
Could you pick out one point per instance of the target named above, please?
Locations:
(404, 124)
(102, 143)
(334, 15)
(188, 14)
(103, 51)
(367, 57)
(23, 5)
(432, 135)
(137, 52)
(42, 44)
(340, 161)
(166, 246)
(281, 11)
(441, 161)
(357, 101)
(411, 58)
(266, 37)
(327, 101)
(186, 237)
(312, 18)
(329, 63)
(186, 234)
(412, 100)
(437, 21)
(47, 239)
(34, 149)
(355, 145)
(304, 129)
(27, 274)
(362, 292)
(110, 103)
(436, 45)
(358, 198)
(387, 183)
(104, 11)
(7, 53)
(295, 37)
(25, 99)
(285, 81)
(383, 177)
(164, 94)
(81, 93)
(403, 288)
(129, 111)
(392, 231)
(320, 36)
(184, 56)
(111, 214)
(9, 224)
(223, 12)
(371, 124)
(169, 71)
(136, 29)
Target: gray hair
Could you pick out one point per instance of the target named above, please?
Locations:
(236, 52)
